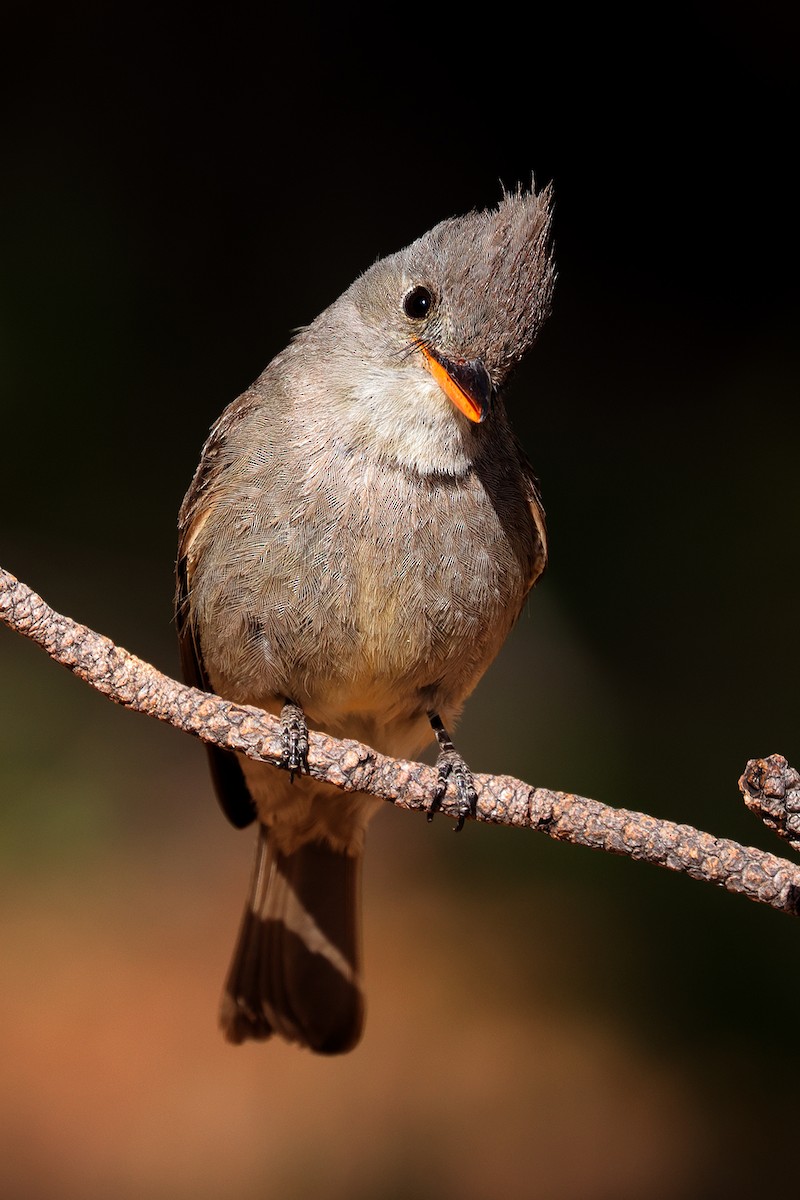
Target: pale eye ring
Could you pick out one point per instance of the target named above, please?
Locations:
(417, 303)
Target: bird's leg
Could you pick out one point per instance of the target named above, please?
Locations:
(294, 739)
(450, 763)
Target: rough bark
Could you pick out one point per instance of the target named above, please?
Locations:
(770, 787)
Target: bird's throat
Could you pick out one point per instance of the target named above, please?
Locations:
(406, 416)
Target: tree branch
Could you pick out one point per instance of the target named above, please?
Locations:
(771, 788)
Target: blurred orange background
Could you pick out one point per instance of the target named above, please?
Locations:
(543, 1022)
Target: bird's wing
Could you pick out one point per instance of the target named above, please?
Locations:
(534, 499)
(229, 781)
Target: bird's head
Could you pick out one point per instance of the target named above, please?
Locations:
(468, 298)
(418, 349)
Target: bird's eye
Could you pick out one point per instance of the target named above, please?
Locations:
(417, 303)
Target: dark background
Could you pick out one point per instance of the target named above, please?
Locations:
(180, 191)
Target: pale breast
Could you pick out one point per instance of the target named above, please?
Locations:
(356, 587)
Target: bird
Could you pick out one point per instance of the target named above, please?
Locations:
(360, 535)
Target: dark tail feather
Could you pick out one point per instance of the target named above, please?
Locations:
(295, 970)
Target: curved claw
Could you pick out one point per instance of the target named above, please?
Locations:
(450, 763)
(294, 740)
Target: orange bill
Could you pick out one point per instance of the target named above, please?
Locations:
(466, 384)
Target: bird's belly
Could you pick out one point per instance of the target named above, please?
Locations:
(390, 610)
(396, 648)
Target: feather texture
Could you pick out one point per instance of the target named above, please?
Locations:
(356, 544)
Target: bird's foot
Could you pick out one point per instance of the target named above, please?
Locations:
(449, 765)
(294, 739)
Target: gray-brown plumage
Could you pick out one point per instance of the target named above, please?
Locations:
(357, 542)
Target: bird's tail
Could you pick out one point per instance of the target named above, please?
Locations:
(295, 970)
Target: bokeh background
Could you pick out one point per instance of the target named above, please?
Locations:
(179, 190)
